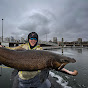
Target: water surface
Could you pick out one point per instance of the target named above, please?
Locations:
(81, 65)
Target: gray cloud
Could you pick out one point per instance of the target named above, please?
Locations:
(59, 18)
(40, 21)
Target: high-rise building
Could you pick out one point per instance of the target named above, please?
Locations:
(54, 39)
(22, 40)
(79, 40)
(12, 39)
(0, 39)
(7, 39)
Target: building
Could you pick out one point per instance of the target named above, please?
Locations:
(7, 39)
(12, 39)
(0, 39)
(22, 40)
(79, 40)
(54, 39)
(50, 41)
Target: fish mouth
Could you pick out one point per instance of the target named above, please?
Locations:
(61, 66)
(58, 66)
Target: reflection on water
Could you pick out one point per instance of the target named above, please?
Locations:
(81, 65)
(79, 50)
(62, 51)
(5, 78)
(0, 71)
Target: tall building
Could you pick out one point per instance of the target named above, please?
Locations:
(54, 39)
(12, 39)
(79, 40)
(0, 39)
(7, 39)
(22, 40)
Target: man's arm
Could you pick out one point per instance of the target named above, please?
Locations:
(13, 48)
(74, 73)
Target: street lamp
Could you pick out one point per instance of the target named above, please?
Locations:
(2, 30)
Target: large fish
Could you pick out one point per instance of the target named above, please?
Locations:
(32, 60)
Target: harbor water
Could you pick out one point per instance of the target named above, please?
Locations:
(67, 81)
(81, 65)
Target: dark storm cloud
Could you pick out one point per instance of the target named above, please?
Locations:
(40, 22)
(74, 19)
(56, 18)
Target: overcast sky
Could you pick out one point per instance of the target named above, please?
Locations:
(56, 18)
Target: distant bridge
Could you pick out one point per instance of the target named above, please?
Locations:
(72, 44)
(44, 43)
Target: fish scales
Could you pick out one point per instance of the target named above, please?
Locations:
(33, 59)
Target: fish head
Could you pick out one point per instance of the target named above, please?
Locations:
(61, 61)
(65, 59)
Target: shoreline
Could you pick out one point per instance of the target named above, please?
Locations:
(51, 48)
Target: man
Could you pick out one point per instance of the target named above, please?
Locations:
(28, 79)
(33, 79)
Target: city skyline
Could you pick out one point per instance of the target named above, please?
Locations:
(54, 39)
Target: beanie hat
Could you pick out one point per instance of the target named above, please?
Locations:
(33, 35)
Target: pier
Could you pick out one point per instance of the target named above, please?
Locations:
(74, 44)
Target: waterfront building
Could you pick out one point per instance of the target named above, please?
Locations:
(22, 40)
(50, 41)
(7, 39)
(54, 39)
(12, 39)
(0, 39)
(79, 40)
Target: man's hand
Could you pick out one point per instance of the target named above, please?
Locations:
(74, 73)
(2, 46)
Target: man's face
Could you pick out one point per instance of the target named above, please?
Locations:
(32, 42)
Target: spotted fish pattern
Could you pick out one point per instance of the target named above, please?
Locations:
(32, 60)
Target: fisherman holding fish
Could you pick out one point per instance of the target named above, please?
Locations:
(33, 79)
